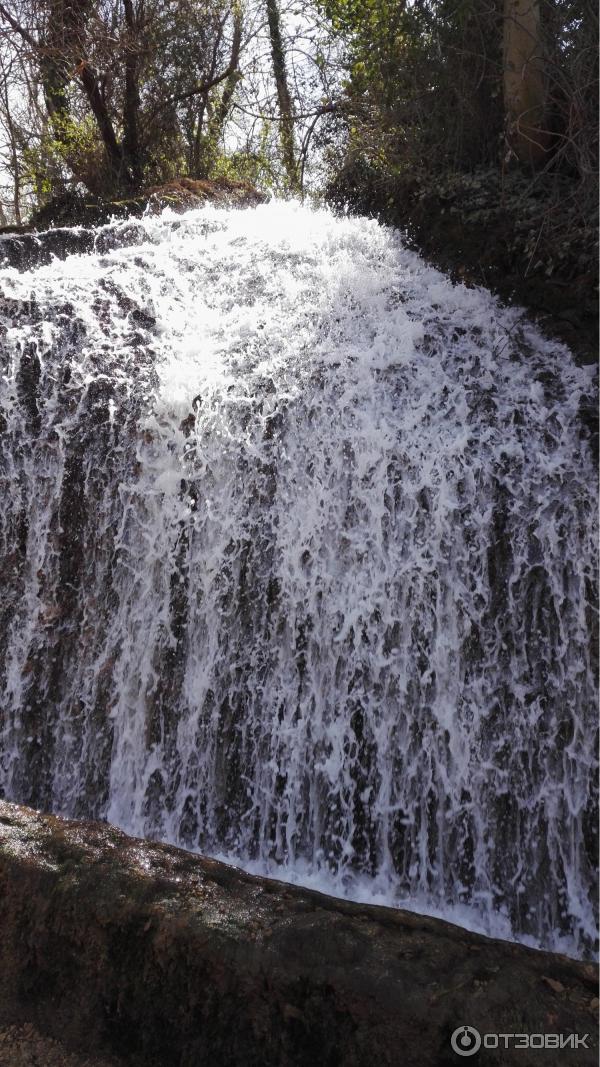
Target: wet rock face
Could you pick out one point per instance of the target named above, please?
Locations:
(155, 956)
(26, 249)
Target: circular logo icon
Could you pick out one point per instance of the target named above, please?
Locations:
(466, 1041)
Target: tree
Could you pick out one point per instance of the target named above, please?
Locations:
(132, 69)
(128, 94)
(286, 111)
(525, 81)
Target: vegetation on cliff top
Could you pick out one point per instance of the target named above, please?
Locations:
(474, 122)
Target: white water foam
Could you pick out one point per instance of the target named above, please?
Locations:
(299, 545)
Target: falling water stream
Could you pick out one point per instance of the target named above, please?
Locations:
(297, 556)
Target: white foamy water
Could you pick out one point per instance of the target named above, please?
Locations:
(298, 552)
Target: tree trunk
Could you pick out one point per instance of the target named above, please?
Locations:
(213, 113)
(14, 158)
(62, 42)
(131, 105)
(221, 110)
(199, 137)
(284, 99)
(120, 174)
(525, 81)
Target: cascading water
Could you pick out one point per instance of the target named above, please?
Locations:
(297, 548)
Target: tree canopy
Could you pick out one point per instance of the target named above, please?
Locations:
(360, 100)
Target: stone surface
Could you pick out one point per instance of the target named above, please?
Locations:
(145, 953)
(24, 1046)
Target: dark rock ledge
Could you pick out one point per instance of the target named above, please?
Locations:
(151, 955)
(68, 225)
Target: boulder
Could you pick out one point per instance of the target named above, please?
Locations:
(155, 956)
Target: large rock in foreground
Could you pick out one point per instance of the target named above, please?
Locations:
(158, 957)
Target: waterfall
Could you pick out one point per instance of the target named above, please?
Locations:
(298, 561)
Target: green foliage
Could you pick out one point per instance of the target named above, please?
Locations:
(498, 224)
(422, 81)
(425, 140)
(68, 147)
(541, 226)
(253, 167)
